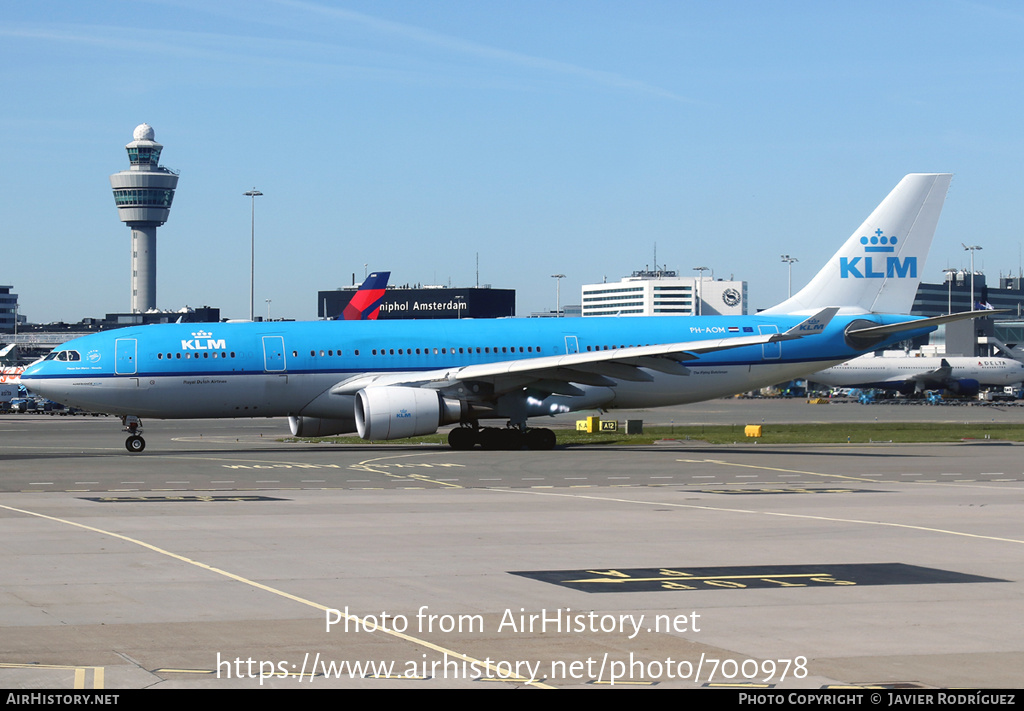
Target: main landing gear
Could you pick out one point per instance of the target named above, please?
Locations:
(498, 438)
(133, 425)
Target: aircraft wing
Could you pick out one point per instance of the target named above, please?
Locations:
(556, 374)
(939, 375)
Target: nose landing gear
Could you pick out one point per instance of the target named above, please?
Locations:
(133, 425)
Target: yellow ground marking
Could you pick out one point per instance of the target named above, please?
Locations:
(286, 462)
(843, 476)
(364, 623)
(695, 578)
(368, 465)
(776, 469)
(435, 481)
(365, 465)
(723, 509)
(80, 672)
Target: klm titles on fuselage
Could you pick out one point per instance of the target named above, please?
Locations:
(203, 341)
(894, 268)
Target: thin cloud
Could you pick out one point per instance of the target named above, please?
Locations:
(474, 49)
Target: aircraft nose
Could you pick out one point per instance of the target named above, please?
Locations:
(31, 380)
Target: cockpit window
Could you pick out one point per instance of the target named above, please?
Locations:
(63, 356)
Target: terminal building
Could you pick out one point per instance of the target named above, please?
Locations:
(404, 302)
(665, 293)
(979, 337)
(8, 310)
(35, 340)
(955, 295)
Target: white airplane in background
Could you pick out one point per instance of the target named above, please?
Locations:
(9, 372)
(395, 379)
(908, 374)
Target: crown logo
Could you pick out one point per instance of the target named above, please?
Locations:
(879, 243)
(202, 334)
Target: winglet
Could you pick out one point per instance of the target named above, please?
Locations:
(809, 326)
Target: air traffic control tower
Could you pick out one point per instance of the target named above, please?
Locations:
(143, 195)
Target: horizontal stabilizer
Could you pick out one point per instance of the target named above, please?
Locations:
(888, 329)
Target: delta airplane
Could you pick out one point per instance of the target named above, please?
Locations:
(393, 379)
(365, 303)
(915, 374)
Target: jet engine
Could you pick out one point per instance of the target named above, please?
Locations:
(396, 412)
(968, 387)
(319, 426)
(908, 387)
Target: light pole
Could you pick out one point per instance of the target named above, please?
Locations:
(268, 308)
(254, 193)
(789, 260)
(700, 285)
(950, 275)
(558, 294)
(972, 249)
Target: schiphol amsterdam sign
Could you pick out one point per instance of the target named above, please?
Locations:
(408, 306)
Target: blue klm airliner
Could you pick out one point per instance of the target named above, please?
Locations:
(393, 379)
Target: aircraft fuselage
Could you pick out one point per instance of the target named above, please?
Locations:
(288, 368)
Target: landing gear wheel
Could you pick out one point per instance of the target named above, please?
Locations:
(135, 444)
(494, 439)
(540, 439)
(511, 439)
(491, 439)
(462, 438)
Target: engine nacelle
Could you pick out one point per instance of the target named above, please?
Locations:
(907, 387)
(319, 426)
(396, 412)
(967, 387)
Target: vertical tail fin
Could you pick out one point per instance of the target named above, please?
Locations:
(365, 303)
(879, 267)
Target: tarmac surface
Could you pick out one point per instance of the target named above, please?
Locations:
(222, 554)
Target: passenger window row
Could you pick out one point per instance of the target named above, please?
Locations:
(432, 351)
(206, 354)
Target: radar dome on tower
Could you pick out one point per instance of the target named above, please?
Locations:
(144, 132)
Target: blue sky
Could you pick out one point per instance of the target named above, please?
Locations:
(547, 137)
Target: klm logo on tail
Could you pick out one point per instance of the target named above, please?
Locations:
(878, 267)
